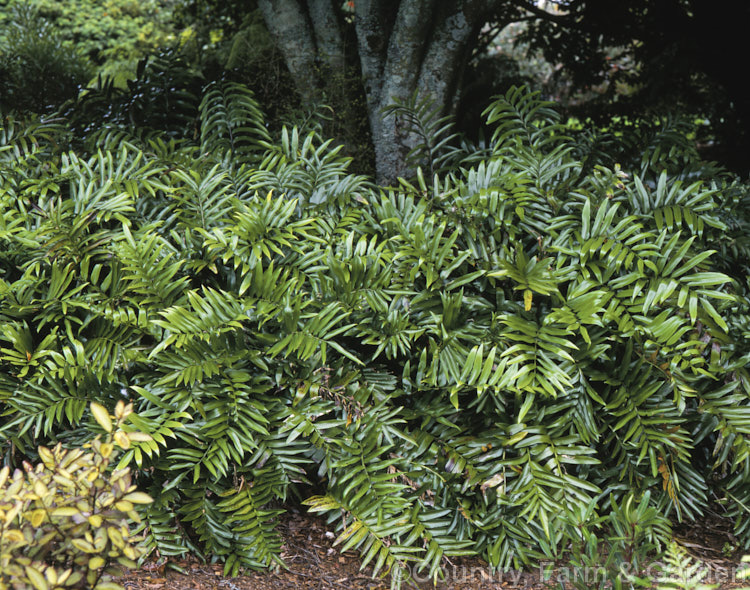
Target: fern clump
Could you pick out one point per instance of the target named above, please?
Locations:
(65, 523)
(446, 362)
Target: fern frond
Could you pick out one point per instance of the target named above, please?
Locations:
(363, 530)
(682, 572)
(255, 541)
(434, 133)
(309, 170)
(231, 122)
(29, 141)
(151, 268)
(201, 200)
(521, 116)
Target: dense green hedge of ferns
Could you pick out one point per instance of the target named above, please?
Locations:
(473, 363)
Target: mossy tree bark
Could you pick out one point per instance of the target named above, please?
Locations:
(404, 47)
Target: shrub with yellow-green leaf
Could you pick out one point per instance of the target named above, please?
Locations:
(65, 523)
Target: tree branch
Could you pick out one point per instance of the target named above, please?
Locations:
(292, 32)
(406, 48)
(372, 44)
(446, 52)
(328, 39)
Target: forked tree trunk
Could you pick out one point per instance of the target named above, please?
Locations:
(404, 46)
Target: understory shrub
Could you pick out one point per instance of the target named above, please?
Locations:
(37, 69)
(65, 523)
(463, 364)
(112, 35)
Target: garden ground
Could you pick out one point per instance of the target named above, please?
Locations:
(314, 564)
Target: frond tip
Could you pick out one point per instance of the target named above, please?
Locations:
(682, 572)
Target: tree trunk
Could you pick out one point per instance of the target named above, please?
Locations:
(404, 47)
(326, 28)
(292, 31)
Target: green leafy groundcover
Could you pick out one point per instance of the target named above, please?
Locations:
(470, 364)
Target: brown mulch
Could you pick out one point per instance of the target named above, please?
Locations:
(314, 564)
